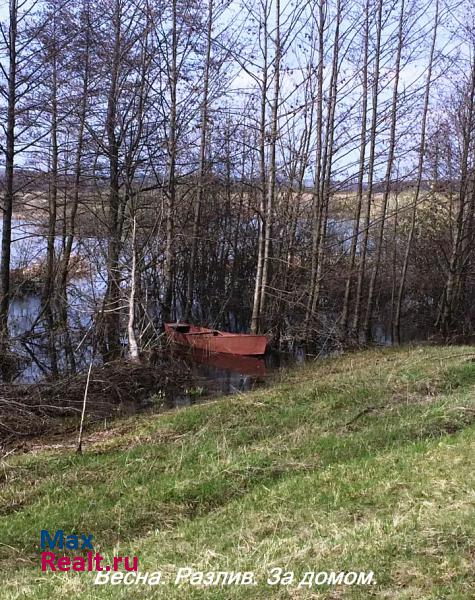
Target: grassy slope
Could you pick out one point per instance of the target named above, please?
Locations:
(283, 476)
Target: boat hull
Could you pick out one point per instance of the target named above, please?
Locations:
(213, 341)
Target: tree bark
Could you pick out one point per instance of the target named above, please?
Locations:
(271, 188)
(371, 168)
(256, 307)
(9, 171)
(361, 170)
(420, 169)
(201, 167)
(112, 295)
(170, 199)
(387, 186)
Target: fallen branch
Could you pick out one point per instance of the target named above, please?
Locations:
(363, 412)
(81, 425)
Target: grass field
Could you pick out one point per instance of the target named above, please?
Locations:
(360, 463)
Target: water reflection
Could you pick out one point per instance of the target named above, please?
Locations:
(223, 373)
(243, 365)
(215, 373)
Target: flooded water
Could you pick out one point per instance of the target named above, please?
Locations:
(213, 373)
(27, 330)
(217, 374)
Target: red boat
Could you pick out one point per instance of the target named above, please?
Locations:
(212, 340)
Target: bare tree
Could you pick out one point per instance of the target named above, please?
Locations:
(420, 172)
(201, 164)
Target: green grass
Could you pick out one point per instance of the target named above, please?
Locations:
(359, 463)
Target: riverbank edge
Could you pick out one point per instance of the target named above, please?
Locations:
(362, 462)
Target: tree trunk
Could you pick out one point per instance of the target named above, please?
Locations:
(359, 193)
(133, 346)
(112, 295)
(449, 302)
(371, 168)
(271, 189)
(420, 168)
(70, 235)
(48, 288)
(317, 200)
(327, 162)
(256, 307)
(168, 274)
(9, 168)
(201, 167)
(387, 188)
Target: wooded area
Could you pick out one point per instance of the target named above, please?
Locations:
(302, 169)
